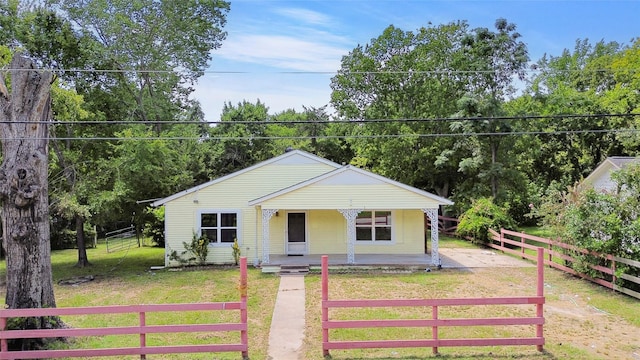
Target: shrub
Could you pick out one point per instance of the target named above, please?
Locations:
(482, 216)
(236, 251)
(199, 247)
(154, 227)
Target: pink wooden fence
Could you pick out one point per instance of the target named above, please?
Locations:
(446, 225)
(141, 330)
(557, 257)
(435, 322)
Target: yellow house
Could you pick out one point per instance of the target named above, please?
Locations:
(299, 204)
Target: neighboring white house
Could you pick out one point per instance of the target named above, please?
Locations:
(600, 178)
(301, 204)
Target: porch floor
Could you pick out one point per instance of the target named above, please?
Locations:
(408, 260)
(450, 258)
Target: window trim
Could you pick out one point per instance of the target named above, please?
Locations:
(379, 242)
(238, 227)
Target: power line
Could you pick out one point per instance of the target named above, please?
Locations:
(341, 72)
(335, 121)
(350, 136)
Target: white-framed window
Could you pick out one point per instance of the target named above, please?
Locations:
(372, 226)
(219, 226)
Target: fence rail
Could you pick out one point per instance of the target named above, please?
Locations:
(557, 257)
(446, 225)
(141, 329)
(435, 322)
(121, 239)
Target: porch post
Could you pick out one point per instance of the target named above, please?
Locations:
(433, 217)
(266, 216)
(351, 215)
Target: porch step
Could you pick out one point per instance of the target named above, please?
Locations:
(294, 269)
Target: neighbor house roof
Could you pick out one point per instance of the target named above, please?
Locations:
(283, 157)
(610, 164)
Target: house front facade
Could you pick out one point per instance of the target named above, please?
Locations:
(299, 204)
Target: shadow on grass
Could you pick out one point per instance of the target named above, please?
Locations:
(125, 262)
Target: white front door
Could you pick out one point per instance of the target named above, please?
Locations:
(296, 233)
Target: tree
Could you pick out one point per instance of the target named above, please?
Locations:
(563, 149)
(240, 140)
(70, 170)
(402, 77)
(492, 59)
(25, 105)
(153, 52)
(159, 49)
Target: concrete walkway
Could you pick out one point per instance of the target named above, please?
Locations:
(287, 324)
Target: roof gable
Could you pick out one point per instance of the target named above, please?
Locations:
(352, 176)
(294, 157)
(609, 165)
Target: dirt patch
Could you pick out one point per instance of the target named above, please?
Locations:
(571, 321)
(574, 327)
(456, 258)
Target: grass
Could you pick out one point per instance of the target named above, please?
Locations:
(568, 337)
(124, 278)
(454, 242)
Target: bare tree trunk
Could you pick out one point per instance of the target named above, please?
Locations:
(83, 260)
(25, 110)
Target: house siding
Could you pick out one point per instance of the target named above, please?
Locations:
(181, 214)
(327, 234)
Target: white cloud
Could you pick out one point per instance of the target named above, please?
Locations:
(284, 52)
(284, 57)
(305, 16)
(278, 92)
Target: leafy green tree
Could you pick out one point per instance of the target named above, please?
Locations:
(567, 146)
(145, 170)
(159, 48)
(70, 172)
(240, 140)
(311, 130)
(493, 59)
(153, 52)
(403, 76)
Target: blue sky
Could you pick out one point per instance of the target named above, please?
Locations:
(268, 38)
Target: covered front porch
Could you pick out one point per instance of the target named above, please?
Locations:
(361, 217)
(299, 237)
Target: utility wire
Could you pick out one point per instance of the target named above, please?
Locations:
(350, 136)
(344, 121)
(341, 72)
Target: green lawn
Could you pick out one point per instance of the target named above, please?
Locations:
(124, 278)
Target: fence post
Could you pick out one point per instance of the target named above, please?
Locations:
(244, 338)
(522, 245)
(143, 334)
(540, 293)
(434, 329)
(501, 237)
(325, 309)
(4, 347)
(613, 273)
